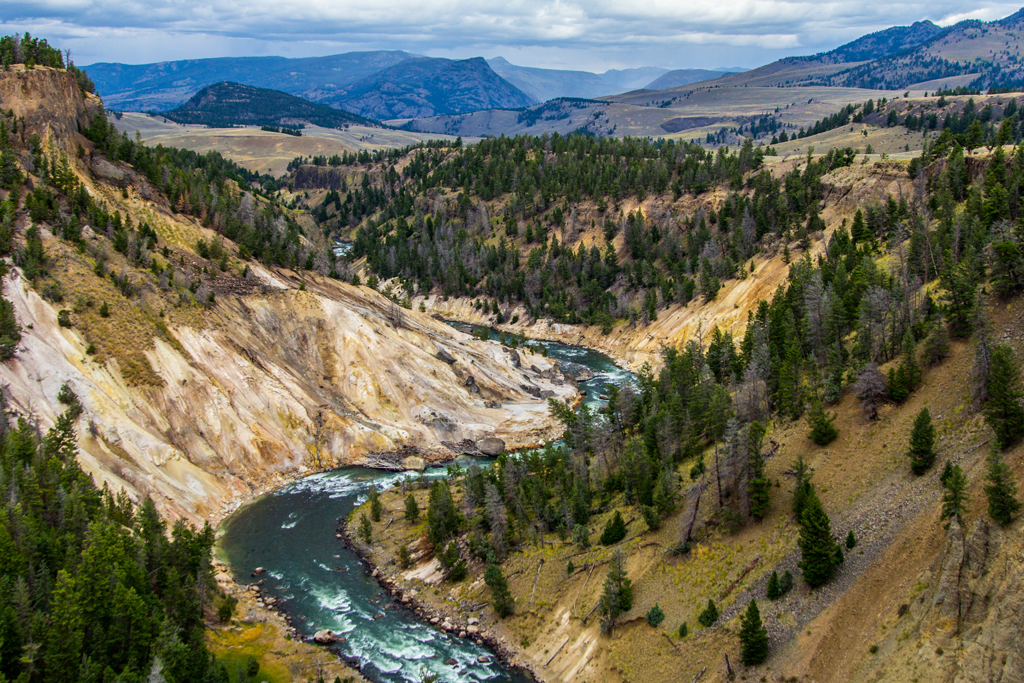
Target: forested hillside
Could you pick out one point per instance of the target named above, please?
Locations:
(231, 104)
(672, 492)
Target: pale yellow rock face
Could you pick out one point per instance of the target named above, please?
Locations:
(234, 416)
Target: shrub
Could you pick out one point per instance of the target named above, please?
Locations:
(823, 432)
(404, 561)
(709, 616)
(227, 609)
(501, 596)
(104, 310)
(652, 517)
(655, 616)
(614, 530)
(412, 509)
(64, 318)
(683, 630)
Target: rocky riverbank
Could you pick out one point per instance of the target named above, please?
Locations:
(448, 620)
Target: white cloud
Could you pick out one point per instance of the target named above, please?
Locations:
(578, 33)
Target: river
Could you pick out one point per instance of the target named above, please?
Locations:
(324, 585)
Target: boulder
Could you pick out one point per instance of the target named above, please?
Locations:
(102, 168)
(443, 355)
(258, 571)
(483, 659)
(516, 361)
(450, 662)
(325, 637)
(470, 381)
(472, 629)
(491, 446)
(414, 462)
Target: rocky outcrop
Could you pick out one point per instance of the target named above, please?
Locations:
(235, 412)
(491, 446)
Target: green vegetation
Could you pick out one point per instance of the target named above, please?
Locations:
(823, 432)
(91, 585)
(1003, 410)
(922, 443)
(1001, 490)
(34, 52)
(655, 616)
(753, 636)
(412, 509)
(709, 616)
(501, 596)
(778, 587)
(955, 498)
(820, 555)
(617, 598)
(614, 530)
(226, 104)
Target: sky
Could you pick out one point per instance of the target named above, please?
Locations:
(592, 36)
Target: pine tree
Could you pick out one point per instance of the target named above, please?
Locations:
(759, 487)
(412, 509)
(804, 489)
(365, 528)
(773, 586)
(618, 592)
(820, 554)
(753, 636)
(851, 540)
(375, 505)
(709, 616)
(823, 432)
(955, 499)
(614, 530)
(655, 616)
(1001, 491)
(10, 330)
(1003, 410)
(922, 443)
(501, 596)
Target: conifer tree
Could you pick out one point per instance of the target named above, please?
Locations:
(820, 554)
(954, 500)
(412, 509)
(618, 592)
(759, 487)
(922, 443)
(804, 489)
(709, 616)
(614, 530)
(501, 596)
(823, 432)
(851, 540)
(375, 505)
(753, 636)
(365, 528)
(773, 586)
(1003, 410)
(1001, 490)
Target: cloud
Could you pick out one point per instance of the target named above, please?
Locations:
(587, 34)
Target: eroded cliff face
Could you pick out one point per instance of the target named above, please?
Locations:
(241, 395)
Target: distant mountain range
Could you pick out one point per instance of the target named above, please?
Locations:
(380, 85)
(166, 85)
(547, 84)
(232, 104)
(430, 87)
